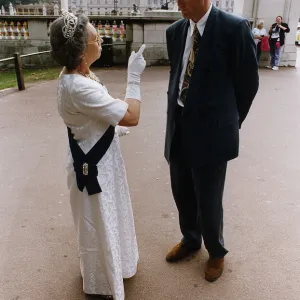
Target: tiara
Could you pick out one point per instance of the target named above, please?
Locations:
(70, 21)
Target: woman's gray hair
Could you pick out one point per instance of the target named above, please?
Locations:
(68, 52)
(261, 22)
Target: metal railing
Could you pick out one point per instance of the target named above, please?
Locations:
(17, 58)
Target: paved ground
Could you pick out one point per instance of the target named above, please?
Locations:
(38, 253)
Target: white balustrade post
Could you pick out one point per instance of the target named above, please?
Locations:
(74, 9)
(5, 32)
(18, 31)
(64, 5)
(44, 10)
(25, 28)
(11, 31)
(11, 9)
(55, 10)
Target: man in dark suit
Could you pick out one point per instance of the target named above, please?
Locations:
(213, 81)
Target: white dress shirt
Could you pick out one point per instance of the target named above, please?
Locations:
(188, 45)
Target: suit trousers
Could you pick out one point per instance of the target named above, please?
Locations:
(198, 194)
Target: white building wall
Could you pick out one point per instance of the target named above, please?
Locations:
(238, 7)
(96, 7)
(226, 5)
(268, 10)
(290, 11)
(250, 9)
(247, 10)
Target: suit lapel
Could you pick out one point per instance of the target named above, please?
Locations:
(208, 36)
(180, 44)
(182, 39)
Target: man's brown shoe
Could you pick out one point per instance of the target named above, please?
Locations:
(214, 269)
(178, 252)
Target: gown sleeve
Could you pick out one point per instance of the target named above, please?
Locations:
(94, 101)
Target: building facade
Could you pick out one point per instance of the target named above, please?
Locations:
(154, 35)
(100, 7)
(268, 10)
(227, 5)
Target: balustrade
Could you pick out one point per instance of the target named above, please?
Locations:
(14, 31)
(106, 29)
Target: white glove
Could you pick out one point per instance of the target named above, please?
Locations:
(122, 130)
(136, 66)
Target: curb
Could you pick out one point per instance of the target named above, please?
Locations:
(12, 90)
(8, 91)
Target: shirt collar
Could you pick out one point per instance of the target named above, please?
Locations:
(201, 23)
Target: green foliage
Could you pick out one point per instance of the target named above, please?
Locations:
(8, 78)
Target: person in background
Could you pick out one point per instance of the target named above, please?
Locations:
(258, 33)
(277, 39)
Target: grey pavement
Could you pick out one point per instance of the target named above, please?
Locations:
(38, 251)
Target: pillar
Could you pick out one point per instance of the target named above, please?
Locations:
(64, 5)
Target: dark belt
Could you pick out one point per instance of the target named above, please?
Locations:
(85, 165)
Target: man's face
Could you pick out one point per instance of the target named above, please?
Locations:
(188, 7)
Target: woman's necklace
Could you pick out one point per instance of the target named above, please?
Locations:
(91, 75)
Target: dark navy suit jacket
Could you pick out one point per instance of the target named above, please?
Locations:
(223, 85)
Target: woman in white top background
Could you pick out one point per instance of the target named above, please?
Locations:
(258, 33)
(99, 193)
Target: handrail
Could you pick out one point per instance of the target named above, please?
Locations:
(18, 66)
(6, 59)
(24, 55)
(35, 53)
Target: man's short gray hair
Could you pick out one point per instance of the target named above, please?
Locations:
(68, 52)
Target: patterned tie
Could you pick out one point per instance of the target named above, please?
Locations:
(190, 65)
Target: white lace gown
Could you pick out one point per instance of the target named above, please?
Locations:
(103, 222)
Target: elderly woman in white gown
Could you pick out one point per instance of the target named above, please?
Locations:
(99, 193)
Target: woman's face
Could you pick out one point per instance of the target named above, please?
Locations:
(278, 20)
(94, 49)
